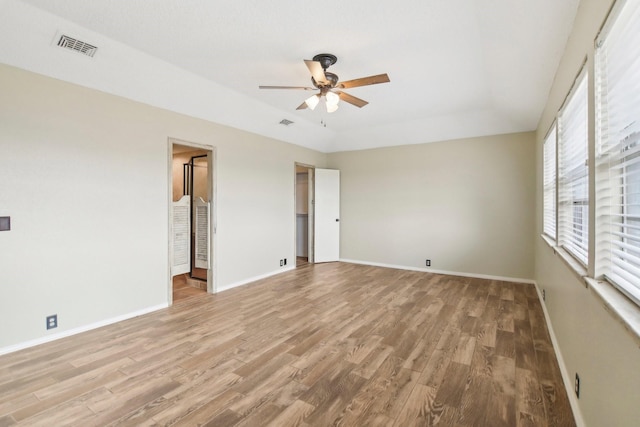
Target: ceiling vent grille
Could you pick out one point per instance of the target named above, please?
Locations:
(77, 45)
(286, 122)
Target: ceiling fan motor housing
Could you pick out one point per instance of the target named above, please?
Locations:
(332, 81)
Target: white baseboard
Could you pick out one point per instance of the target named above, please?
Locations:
(568, 381)
(449, 273)
(74, 331)
(253, 279)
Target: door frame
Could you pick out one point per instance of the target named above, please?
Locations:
(310, 209)
(212, 194)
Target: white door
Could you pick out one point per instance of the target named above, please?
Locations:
(310, 225)
(181, 262)
(327, 215)
(202, 233)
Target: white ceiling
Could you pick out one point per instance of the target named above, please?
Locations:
(458, 68)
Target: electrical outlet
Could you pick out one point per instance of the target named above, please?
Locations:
(577, 386)
(544, 295)
(428, 263)
(281, 262)
(52, 321)
(285, 261)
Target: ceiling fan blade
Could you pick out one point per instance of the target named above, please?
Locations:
(302, 106)
(365, 81)
(351, 99)
(316, 71)
(286, 87)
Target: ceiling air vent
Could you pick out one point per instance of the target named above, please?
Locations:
(286, 122)
(77, 45)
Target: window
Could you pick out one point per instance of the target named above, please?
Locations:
(549, 185)
(573, 184)
(618, 147)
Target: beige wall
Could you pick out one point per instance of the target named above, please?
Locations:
(591, 341)
(84, 177)
(468, 205)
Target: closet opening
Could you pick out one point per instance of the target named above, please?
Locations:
(304, 214)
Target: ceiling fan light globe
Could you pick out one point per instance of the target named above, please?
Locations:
(312, 101)
(331, 107)
(332, 98)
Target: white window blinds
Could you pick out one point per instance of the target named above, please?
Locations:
(618, 146)
(573, 183)
(549, 185)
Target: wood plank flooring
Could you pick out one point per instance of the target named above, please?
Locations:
(182, 289)
(329, 344)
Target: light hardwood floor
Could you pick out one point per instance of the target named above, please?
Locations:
(329, 344)
(182, 289)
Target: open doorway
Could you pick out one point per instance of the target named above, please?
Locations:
(191, 216)
(304, 196)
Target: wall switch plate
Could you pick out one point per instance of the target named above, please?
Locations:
(428, 263)
(285, 261)
(52, 321)
(5, 223)
(577, 385)
(281, 263)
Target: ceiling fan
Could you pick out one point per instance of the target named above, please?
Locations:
(328, 84)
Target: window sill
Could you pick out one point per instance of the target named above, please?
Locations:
(621, 307)
(548, 240)
(576, 267)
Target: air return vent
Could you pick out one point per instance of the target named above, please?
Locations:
(286, 122)
(77, 45)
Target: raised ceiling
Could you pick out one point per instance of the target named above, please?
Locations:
(458, 68)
